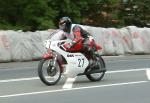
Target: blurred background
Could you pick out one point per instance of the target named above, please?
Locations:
(31, 15)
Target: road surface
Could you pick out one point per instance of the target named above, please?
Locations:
(127, 80)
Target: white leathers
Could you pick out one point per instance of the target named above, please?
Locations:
(60, 35)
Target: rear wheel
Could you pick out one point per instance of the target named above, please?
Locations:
(101, 66)
(48, 73)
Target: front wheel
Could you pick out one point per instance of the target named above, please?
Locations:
(101, 66)
(48, 73)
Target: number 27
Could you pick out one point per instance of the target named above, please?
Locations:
(81, 62)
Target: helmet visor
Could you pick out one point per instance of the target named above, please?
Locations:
(62, 25)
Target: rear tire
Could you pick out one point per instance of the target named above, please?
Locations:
(49, 72)
(100, 75)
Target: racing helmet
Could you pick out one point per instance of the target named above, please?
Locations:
(65, 24)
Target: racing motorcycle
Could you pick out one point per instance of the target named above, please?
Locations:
(58, 61)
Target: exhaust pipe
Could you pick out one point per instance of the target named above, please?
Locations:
(93, 71)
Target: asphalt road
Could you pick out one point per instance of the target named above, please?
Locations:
(126, 81)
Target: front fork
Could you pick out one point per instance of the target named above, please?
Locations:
(54, 61)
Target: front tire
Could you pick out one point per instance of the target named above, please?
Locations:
(47, 73)
(97, 76)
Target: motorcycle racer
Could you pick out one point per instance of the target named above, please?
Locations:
(70, 57)
(78, 36)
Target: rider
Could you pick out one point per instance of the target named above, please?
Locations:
(78, 34)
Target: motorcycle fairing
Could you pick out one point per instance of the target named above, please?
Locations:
(76, 62)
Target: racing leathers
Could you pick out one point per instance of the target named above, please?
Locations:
(80, 40)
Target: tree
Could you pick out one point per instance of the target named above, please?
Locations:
(26, 14)
(136, 12)
(69, 8)
(102, 13)
(43, 14)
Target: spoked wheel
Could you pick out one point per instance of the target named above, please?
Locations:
(101, 66)
(48, 73)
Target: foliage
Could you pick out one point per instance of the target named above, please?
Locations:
(43, 14)
(26, 14)
(138, 13)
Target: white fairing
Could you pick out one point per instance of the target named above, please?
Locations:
(77, 62)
